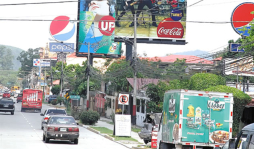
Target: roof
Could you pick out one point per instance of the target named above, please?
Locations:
(56, 82)
(189, 59)
(141, 82)
(217, 59)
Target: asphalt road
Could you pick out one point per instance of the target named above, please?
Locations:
(22, 131)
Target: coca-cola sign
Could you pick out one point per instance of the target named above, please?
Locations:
(169, 28)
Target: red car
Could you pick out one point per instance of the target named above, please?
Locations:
(6, 95)
(19, 98)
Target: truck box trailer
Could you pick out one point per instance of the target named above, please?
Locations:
(195, 120)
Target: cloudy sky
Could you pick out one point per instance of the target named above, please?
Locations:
(210, 37)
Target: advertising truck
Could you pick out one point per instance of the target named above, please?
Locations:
(195, 120)
(31, 100)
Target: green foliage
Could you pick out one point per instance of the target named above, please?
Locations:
(89, 117)
(201, 81)
(60, 99)
(56, 89)
(54, 102)
(6, 58)
(177, 69)
(240, 100)
(26, 60)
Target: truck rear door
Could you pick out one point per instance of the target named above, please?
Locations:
(206, 119)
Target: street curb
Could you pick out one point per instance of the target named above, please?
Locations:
(105, 136)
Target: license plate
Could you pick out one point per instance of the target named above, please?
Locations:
(6, 106)
(62, 129)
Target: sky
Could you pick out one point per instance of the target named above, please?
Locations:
(210, 37)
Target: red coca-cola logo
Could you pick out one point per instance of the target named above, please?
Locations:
(170, 29)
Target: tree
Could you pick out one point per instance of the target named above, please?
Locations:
(201, 81)
(6, 58)
(176, 70)
(55, 89)
(26, 60)
(240, 100)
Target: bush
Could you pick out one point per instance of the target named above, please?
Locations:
(89, 117)
(54, 102)
(201, 81)
(240, 100)
(60, 99)
(56, 89)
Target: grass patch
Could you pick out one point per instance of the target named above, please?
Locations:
(104, 130)
(135, 129)
(110, 123)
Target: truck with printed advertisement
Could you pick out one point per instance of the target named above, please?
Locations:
(31, 100)
(195, 120)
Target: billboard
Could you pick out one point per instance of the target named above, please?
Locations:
(242, 66)
(97, 29)
(156, 20)
(242, 17)
(41, 63)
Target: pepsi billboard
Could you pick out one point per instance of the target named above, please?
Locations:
(61, 30)
(242, 17)
(98, 28)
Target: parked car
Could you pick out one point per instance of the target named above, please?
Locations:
(7, 105)
(151, 122)
(12, 93)
(51, 98)
(49, 112)
(61, 128)
(19, 98)
(6, 95)
(230, 144)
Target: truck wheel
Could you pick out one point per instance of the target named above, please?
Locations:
(43, 138)
(146, 141)
(22, 110)
(12, 113)
(163, 145)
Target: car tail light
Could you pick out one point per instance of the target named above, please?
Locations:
(50, 128)
(56, 128)
(46, 118)
(70, 129)
(76, 129)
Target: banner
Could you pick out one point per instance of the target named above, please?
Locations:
(156, 19)
(98, 28)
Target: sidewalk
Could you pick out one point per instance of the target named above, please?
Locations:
(134, 135)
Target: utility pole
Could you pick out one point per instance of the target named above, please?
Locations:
(135, 73)
(44, 81)
(61, 90)
(88, 69)
(237, 76)
(51, 73)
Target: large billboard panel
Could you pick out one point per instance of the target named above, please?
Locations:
(239, 66)
(97, 28)
(156, 19)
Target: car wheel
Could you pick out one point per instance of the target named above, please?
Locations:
(42, 127)
(43, 138)
(146, 141)
(75, 141)
(12, 113)
(46, 140)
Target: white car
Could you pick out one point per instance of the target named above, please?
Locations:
(49, 112)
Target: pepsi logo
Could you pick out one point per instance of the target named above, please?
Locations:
(61, 29)
(176, 14)
(170, 29)
(242, 17)
(107, 25)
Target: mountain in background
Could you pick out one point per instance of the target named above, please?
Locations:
(15, 52)
(195, 53)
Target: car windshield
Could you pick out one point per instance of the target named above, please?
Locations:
(55, 111)
(62, 121)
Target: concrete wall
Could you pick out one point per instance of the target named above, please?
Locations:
(112, 106)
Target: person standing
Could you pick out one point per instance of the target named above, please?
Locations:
(126, 5)
(149, 4)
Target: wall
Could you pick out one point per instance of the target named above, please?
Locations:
(111, 108)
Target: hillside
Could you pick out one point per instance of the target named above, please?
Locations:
(15, 52)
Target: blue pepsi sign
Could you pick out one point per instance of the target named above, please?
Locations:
(235, 47)
(176, 14)
(61, 47)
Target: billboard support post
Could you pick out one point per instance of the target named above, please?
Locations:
(88, 69)
(135, 73)
(61, 90)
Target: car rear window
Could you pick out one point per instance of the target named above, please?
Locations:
(55, 111)
(20, 95)
(62, 120)
(6, 100)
